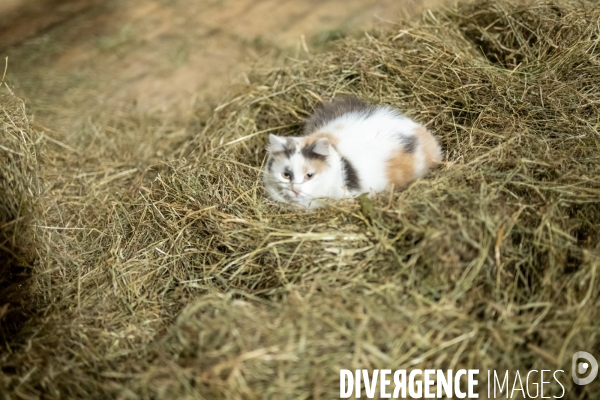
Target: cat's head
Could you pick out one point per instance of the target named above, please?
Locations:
(298, 168)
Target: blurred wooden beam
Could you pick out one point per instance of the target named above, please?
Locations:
(22, 19)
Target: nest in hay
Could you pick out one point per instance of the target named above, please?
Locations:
(182, 280)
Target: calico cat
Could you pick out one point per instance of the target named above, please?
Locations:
(348, 148)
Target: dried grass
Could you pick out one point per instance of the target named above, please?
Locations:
(19, 191)
(178, 279)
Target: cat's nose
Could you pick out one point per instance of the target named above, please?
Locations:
(296, 192)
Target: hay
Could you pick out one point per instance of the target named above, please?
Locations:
(179, 279)
(19, 191)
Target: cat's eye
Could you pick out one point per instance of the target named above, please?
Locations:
(309, 175)
(286, 175)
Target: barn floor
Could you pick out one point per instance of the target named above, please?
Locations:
(167, 55)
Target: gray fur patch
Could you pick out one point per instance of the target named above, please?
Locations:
(350, 175)
(270, 164)
(290, 148)
(409, 144)
(309, 153)
(330, 111)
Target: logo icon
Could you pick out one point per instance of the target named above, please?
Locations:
(580, 367)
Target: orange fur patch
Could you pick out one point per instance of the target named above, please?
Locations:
(314, 166)
(401, 168)
(310, 139)
(430, 148)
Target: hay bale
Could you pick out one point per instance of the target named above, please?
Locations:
(199, 287)
(19, 188)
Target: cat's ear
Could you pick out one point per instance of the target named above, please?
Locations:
(321, 147)
(276, 143)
